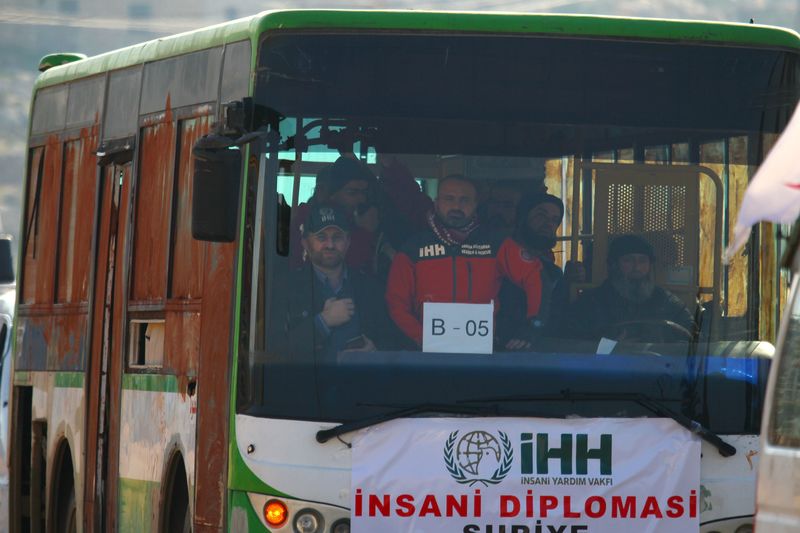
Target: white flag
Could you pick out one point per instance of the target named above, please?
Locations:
(774, 192)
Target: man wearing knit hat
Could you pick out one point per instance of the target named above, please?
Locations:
(628, 305)
(538, 217)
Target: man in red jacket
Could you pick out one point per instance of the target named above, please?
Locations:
(454, 259)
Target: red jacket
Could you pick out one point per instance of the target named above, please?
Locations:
(427, 270)
(525, 271)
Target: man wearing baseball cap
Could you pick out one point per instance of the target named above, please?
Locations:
(337, 306)
(628, 305)
(346, 185)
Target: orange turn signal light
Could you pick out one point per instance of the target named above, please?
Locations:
(276, 513)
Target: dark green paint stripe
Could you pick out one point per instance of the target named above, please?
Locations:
(136, 504)
(550, 24)
(150, 382)
(69, 380)
(22, 377)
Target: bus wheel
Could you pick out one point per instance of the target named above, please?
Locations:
(66, 511)
(70, 520)
(177, 514)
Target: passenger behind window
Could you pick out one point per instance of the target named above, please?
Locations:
(337, 306)
(347, 185)
(524, 317)
(403, 209)
(454, 259)
(433, 267)
(628, 305)
(502, 203)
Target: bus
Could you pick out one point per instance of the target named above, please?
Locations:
(173, 370)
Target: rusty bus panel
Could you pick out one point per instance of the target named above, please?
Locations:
(182, 345)
(52, 341)
(213, 382)
(160, 117)
(48, 219)
(152, 212)
(33, 338)
(188, 254)
(31, 261)
(41, 225)
(117, 348)
(67, 349)
(77, 218)
(95, 396)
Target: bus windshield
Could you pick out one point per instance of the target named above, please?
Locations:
(507, 222)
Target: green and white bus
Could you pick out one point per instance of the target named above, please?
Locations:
(158, 383)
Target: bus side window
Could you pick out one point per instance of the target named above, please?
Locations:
(784, 427)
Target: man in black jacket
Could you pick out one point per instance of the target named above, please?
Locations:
(332, 307)
(628, 305)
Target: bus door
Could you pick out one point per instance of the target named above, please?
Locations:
(102, 432)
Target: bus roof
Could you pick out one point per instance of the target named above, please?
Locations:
(511, 23)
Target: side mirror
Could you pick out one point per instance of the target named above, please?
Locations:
(6, 260)
(217, 185)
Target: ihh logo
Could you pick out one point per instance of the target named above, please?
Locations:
(478, 457)
(432, 250)
(572, 452)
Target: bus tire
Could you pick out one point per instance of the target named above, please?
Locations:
(65, 510)
(70, 518)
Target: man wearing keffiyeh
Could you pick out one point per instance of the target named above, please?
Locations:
(455, 259)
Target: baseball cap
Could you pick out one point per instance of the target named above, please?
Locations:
(323, 216)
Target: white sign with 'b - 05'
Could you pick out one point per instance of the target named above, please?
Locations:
(457, 328)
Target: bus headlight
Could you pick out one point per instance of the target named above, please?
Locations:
(288, 515)
(342, 526)
(308, 521)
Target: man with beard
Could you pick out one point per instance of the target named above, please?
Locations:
(523, 319)
(500, 209)
(337, 307)
(454, 259)
(628, 305)
(346, 185)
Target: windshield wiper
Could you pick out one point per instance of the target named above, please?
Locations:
(326, 434)
(724, 449)
(465, 407)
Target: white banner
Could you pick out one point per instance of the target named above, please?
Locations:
(501, 475)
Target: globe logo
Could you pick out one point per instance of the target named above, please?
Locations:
(477, 451)
(478, 457)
